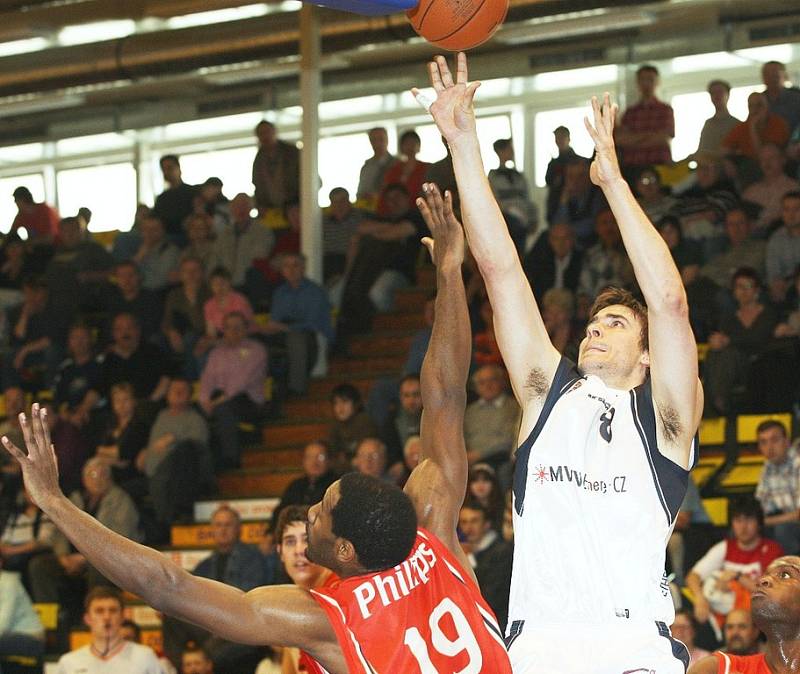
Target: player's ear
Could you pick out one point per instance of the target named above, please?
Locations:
(344, 551)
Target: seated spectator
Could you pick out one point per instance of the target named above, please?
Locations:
(760, 127)
(684, 629)
(232, 387)
(769, 191)
(412, 453)
(742, 336)
(731, 569)
(485, 349)
(290, 532)
(606, 263)
(108, 650)
(77, 270)
(242, 241)
(202, 245)
(78, 379)
(15, 267)
(124, 435)
(224, 301)
(484, 488)
(386, 258)
(556, 167)
(234, 563)
(553, 262)
(318, 476)
(510, 189)
(644, 131)
(176, 202)
(157, 258)
(339, 225)
(580, 203)
(21, 631)
(39, 220)
(685, 253)
(651, 195)
(56, 577)
(130, 359)
(300, 322)
(73, 448)
(407, 171)
(14, 403)
(195, 660)
(778, 488)
(741, 635)
(558, 313)
(128, 297)
(716, 128)
(371, 459)
(492, 421)
(489, 556)
(184, 324)
(702, 207)
(790, 321)
(27, 532)
(783, 248)
(35, 341)
(176, 459)
(403, 421)
(351, 424)
(372, 172)
(739, 250)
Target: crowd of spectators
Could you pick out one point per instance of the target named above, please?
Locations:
(154, 353)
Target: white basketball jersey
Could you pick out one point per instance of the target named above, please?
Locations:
(594, 505)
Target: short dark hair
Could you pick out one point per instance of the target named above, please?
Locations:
(769, 424)
(625, 298)
(289, 515)
(395, 187)
(561, 130)
(378, 518)
(501, 144)
(747, 273)
(721, 83)
(137, 631)
(794, 194)
(781, 65)
(410, 134)
(746, 505)
(103, 592)
(472, 503)
(23, 194)
(411, 376)
(647, 68)
(339, 190)
(220, 272)
(346, 392)
(169, 157)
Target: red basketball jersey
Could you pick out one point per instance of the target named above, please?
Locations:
(742, 664)
(424, 616)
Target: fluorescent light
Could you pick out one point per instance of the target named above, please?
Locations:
(775, 52)
(590, 22)
(703, 62)
(23, 46)
(576, 77)
(29, 104)
(218, 16)
(96, 32)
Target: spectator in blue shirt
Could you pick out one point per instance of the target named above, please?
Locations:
(300, 313)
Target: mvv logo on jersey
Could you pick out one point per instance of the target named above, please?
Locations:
(544, 474)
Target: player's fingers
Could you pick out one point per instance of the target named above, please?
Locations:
(591, 130)
(470, 94)
(444, 71)
(597, 113)
(462, 74)
(27, 433)
(438, 203)
(436, 78)
(428, 211)
(36, 427)
(15, 451)
(48, 443)
(607, 114)
(614, 111)
(430, 244)
(448, 206)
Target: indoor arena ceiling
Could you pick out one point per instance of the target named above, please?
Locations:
(112, 64)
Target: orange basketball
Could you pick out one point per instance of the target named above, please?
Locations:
(457, 24)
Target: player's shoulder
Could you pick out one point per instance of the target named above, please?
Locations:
(708, 665)
(142, 654)
(73, 658)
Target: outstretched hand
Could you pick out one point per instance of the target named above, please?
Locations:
(452, 110)
(605, 167)
(39, 466)
(447, 245)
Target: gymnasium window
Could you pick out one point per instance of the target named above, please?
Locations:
(8, 209)
(109, 191)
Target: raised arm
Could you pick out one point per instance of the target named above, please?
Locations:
(279, 615)
(438, 483)
(677, 393)
(529, 355)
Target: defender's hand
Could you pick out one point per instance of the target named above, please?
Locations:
(447, 245)
(605, 167)
(39, 466)
(452, 110)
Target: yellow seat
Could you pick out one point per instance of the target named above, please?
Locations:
(712, 431)
(48, 614)
(746, 424)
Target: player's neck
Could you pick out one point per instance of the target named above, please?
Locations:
(783, 652)
(623, 382)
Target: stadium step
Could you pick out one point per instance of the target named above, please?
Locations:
(320, 389)
(289, 457)
(367, 362)
(303, 408)
(399, 321)
(384, 343)
(411, 299)
(295, 432)
(252, 482)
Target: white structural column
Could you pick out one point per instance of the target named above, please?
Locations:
(310, 88)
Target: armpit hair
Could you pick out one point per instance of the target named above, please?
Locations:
(537, 383)
(670, 422)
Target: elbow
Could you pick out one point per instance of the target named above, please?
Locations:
(672, 300)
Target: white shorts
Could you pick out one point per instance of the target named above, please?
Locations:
(595, 649)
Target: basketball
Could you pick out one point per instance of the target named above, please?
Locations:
(457, 24)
